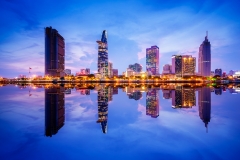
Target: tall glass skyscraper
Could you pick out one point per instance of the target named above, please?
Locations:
(152, 60)
(177, 65)
(204, 58)
(54, 53)
(103, 55)
(183, 65)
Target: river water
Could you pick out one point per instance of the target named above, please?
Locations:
(168, 121)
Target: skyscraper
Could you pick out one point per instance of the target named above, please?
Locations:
(54, 110)
(110, 69)
(183, 65)
(177, 65)
(188, 65)
(167, 69)
(135, 67)
(204, 58)
(152, 60)
(54, 53)
(103, 55)
(218, 72)
(115, 72)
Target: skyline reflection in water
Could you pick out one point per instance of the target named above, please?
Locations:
(118, 111)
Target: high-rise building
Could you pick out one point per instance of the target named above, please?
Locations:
(204, 58)
(188, 65)
(115, 72)
(224, 74)
(54, 110)
(177, 65)
(204, 103)
(167, 69)
(218, 72)
(83, 72)
(110, 69)
(136, 67)
(103, 55)
(54, 53)
(152, 60)
(67, 71)
(129, 72)
(152, 103)
(183, 65)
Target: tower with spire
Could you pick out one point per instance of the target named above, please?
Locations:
(103, 55)
(204, 58)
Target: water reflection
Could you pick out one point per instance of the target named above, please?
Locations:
(204, 103)
(152, 103)
(132, 120)
(104, 96)
(183, 96)
(54, 109)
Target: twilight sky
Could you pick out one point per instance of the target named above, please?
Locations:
(132, 26)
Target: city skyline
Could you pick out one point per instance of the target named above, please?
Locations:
(129, 34)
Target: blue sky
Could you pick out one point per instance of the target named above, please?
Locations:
(176, 27)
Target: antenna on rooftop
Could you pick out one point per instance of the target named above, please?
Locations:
(207, 33)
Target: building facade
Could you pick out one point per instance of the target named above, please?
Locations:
(110, 68)
(115, 72)
(83, 72)
(204, 58)
(152, 60)
(188, 65)
(54, 53)
(129, 72)
(67, 71)
(177, 65)
(103, 55)
(135, 67)
(167, 69)
(183, 65)
(218, 72)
